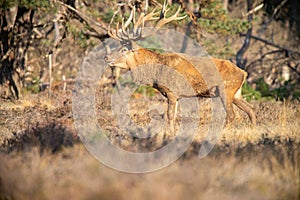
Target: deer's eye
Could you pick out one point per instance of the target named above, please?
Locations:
(123, 50)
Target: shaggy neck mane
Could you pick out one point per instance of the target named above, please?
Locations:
(144, 56)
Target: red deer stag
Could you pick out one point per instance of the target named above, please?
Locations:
(132, 56)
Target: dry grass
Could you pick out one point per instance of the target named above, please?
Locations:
(28, 101)
(46, 160)
(74, 174)
(21, 104)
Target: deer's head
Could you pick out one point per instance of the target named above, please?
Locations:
(124, 57)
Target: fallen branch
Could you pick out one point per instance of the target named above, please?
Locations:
(278, 8)
(254, 10)
(294, 68)
(265, 55)
(98, 28)
(287, 50)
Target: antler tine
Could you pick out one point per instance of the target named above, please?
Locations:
(124, 30)
(138, 22)
(163, 10)
(114, 33)
(117, 31)
(127, 23)
(165, 20)
(143, 18)
(153, 15)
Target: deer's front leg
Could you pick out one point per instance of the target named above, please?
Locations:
(172, 111)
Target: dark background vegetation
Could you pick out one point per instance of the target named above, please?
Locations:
(39, 38)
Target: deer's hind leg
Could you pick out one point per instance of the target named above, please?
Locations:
(229, 111)
(246, 107)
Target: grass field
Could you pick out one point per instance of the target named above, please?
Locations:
(43, 158)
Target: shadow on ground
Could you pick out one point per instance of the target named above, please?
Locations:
(50, 137)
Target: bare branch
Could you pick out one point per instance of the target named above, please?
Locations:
(254, 10)
(278, 7)
(294, 68)
(289, 51)
(100, 29)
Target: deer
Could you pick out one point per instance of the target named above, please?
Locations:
(132, 56)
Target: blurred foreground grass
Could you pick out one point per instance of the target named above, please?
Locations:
(42, 158)
(75, 174)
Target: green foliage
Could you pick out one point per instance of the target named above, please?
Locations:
(278, 93)
(250, 93)
(288, 90)
(30, 4)
(81, 39)
(142, 89)
(6, 4)
(216, 20)
(217, 51)
(34, 87)
(263, 91)
(263, 87)
(107, 16)
(145, 90)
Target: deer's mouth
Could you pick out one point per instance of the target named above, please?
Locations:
(114, 63)
(111, 64)
(109, 61)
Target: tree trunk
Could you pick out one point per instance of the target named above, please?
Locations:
(225, 4)
(239, 56)
(16, 29)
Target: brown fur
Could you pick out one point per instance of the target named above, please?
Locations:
(232, 77)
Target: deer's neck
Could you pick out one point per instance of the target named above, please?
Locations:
(143, 56)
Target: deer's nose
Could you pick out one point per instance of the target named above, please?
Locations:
(106, 58)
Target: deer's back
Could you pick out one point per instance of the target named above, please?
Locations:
(233, 76)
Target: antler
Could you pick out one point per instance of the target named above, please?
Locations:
(165, 20)
(114, 33)
(139, 24)
(143, 18)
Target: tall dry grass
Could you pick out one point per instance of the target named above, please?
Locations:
(48, 162)
(74, 174)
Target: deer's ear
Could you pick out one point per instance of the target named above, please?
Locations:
(134, 45)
